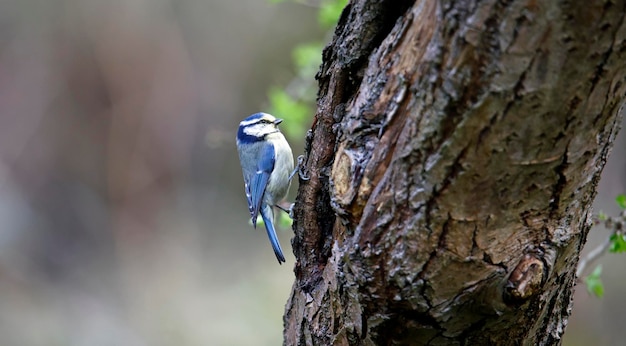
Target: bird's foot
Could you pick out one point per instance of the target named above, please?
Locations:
(289, 210)
(300, 169)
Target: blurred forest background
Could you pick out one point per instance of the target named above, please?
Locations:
(122, 214)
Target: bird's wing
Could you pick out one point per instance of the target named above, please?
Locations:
(259, 180)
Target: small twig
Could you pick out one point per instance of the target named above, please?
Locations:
(614, 224)
(592, 256)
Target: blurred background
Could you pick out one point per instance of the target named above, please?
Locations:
(122, 214)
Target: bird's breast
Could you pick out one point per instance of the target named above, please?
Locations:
(278, 185)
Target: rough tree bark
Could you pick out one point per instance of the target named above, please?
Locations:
(453, 159)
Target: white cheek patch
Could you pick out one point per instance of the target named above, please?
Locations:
(259, 130)
(254, 130)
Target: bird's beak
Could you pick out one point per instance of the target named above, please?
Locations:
(278, 121)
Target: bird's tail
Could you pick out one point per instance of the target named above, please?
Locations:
(268, 218)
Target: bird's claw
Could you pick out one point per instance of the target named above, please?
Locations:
(288, 211)
(300, 168)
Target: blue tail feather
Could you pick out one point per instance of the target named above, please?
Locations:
(268, 218)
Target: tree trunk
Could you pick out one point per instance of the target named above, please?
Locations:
(453, 161)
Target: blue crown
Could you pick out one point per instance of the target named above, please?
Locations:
(254, 116)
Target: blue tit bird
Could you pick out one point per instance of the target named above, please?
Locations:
(267, 162)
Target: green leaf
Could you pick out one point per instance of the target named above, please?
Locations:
(594, 283)
(602, 216)
(618, 243)
(284, 220)
(621, 201)
(307, 58)
(294, 112)
(330, 11)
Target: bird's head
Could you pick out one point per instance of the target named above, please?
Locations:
(257, 126)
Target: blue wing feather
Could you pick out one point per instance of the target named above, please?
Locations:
(259, 180)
